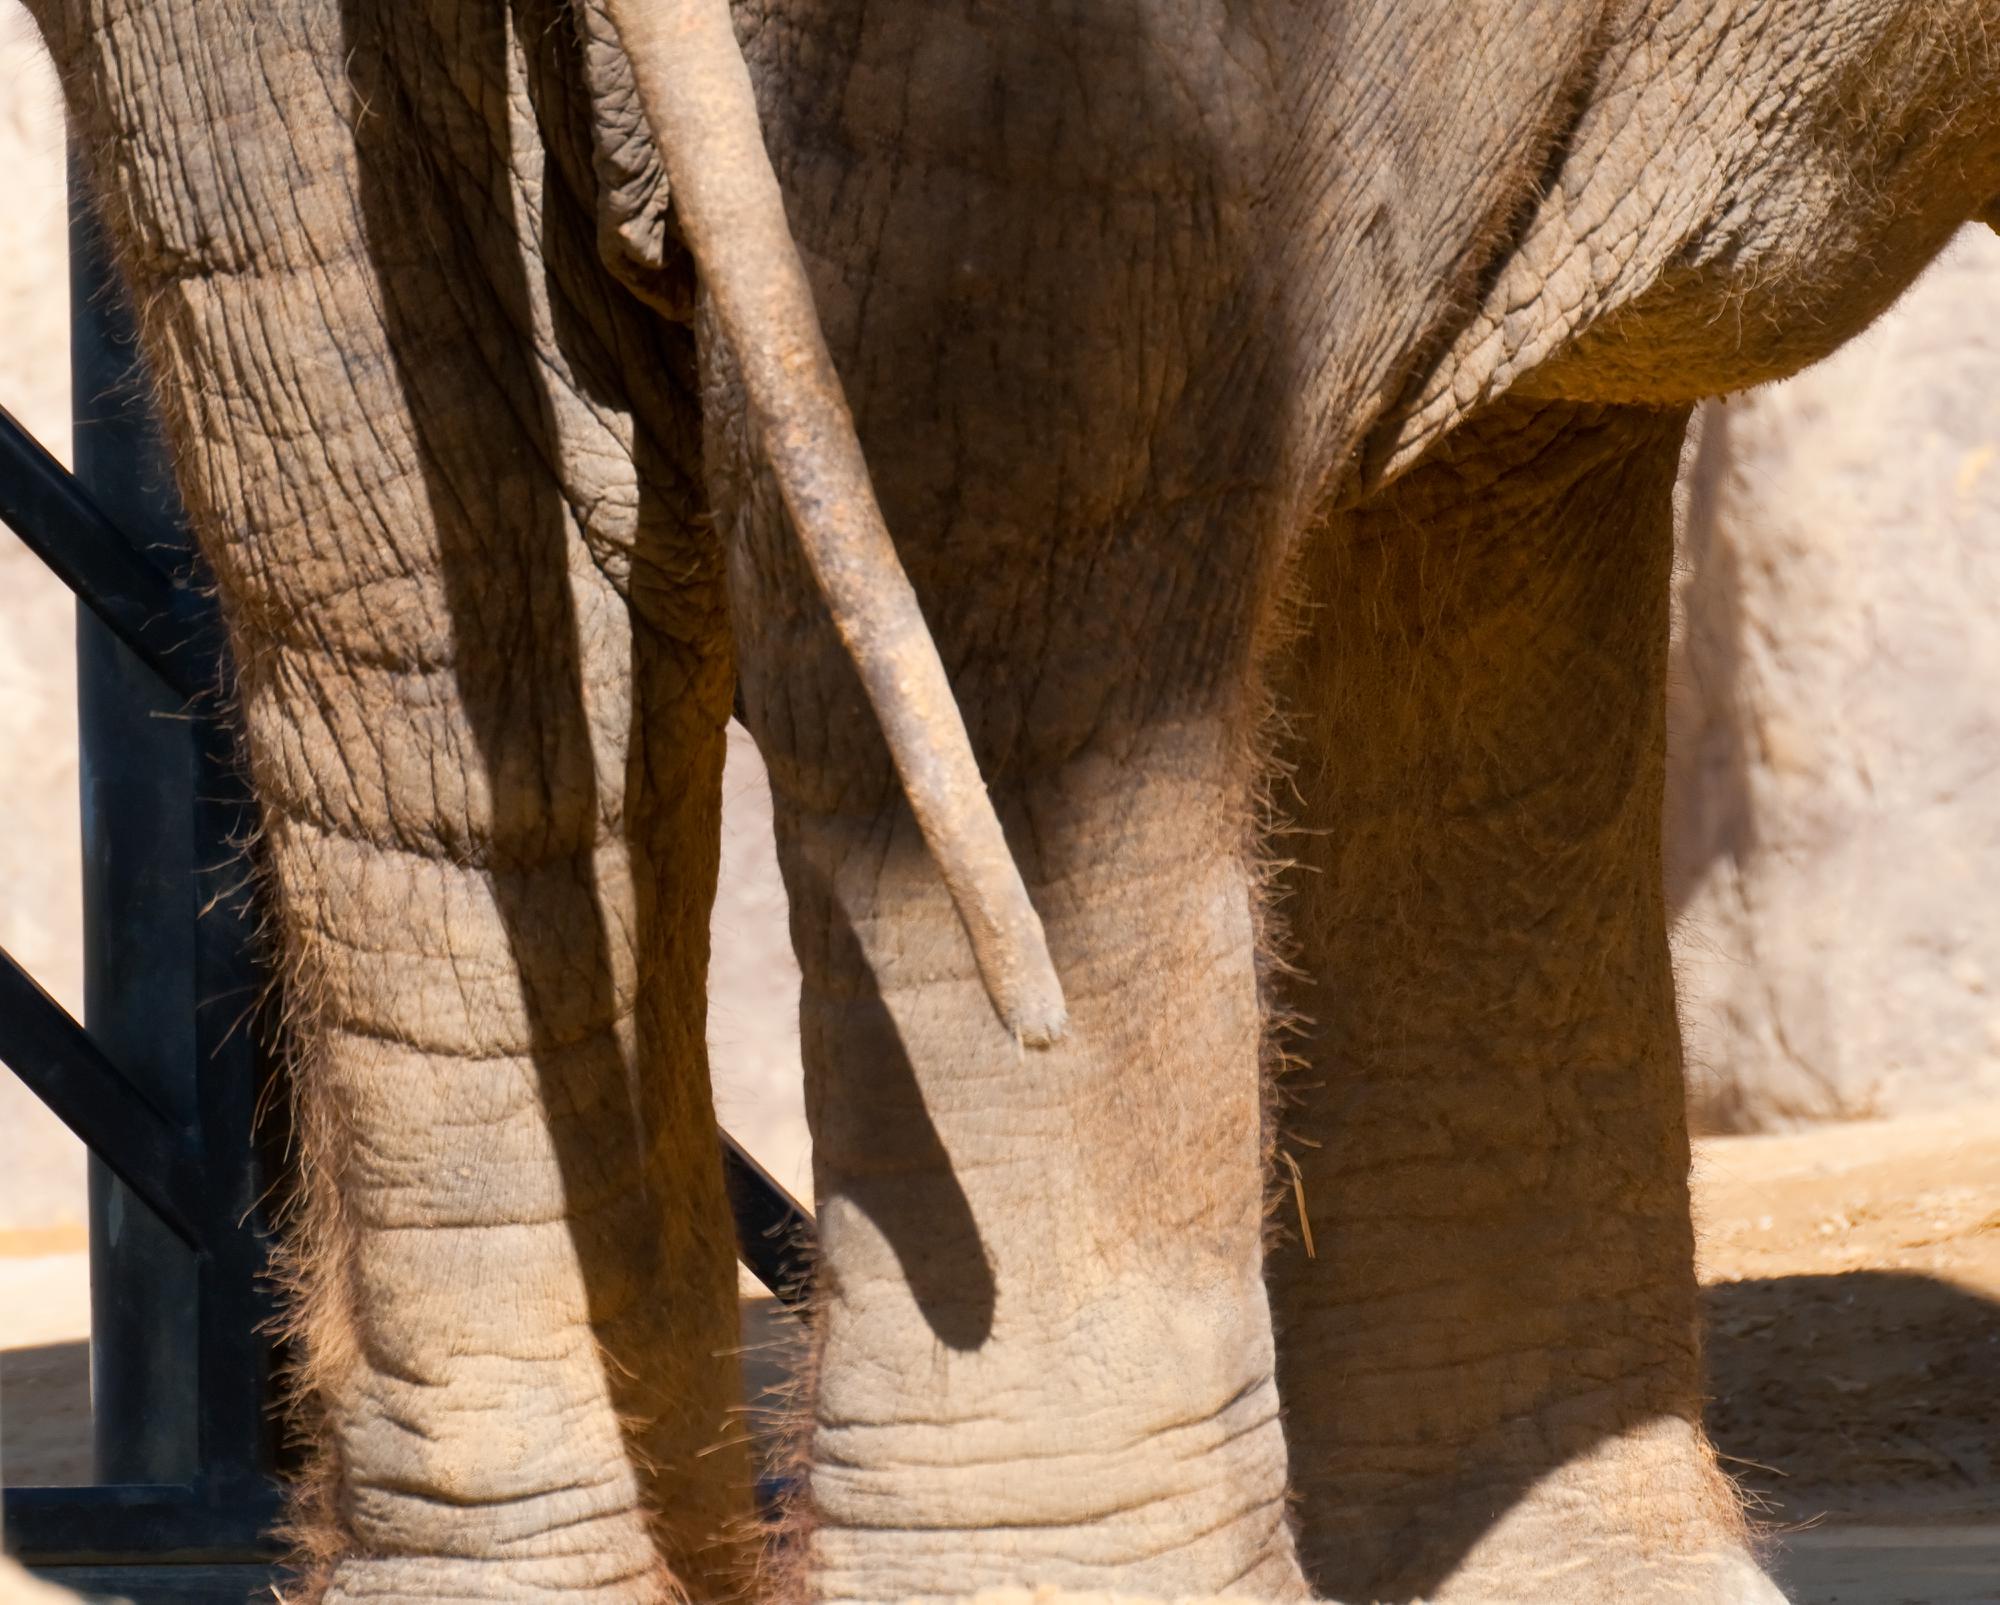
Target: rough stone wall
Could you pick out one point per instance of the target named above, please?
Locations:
(1834, 790)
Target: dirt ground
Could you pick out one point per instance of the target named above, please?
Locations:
(1852, 1280)
(1853, 1285)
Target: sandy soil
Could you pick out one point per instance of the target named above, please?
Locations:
(1852, 1278)
(1853, 1285)
(44, 1367)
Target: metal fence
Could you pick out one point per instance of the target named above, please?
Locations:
(165, 1079)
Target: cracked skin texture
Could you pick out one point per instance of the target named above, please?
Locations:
(1210, 359)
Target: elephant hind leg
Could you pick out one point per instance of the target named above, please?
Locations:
(440, 467)
(1491, 1364)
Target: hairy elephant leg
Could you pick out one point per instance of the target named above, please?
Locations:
(444, 472)
(1109, 313)
(1045, 1350)
(1489, 1358)
(1044, 1342)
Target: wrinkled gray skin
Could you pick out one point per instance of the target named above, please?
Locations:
(1208, 356)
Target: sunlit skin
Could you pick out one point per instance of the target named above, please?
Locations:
(1211, 361)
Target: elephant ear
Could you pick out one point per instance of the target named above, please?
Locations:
(695, 94)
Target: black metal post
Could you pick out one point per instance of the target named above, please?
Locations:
(177, 1368)
(166, 1083)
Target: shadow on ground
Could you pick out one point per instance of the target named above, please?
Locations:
(45, 1414)
(1871, 1394)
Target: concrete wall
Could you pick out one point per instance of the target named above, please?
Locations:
(1834, 806)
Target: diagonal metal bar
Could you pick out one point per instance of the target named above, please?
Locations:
(41, 501)
(63, 1067)
(774, 1234)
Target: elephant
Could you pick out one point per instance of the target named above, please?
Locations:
(1275, 406)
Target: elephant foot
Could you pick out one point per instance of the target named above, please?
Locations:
(1643, 1517)
(1725, 1576)
(1614, 1575)
(407, 1579)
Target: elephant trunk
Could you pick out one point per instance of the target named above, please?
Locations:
(698, 100)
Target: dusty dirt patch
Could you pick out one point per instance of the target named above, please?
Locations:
(1852, 1278)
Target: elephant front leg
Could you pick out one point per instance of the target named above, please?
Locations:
(1490, 1354)
(441, 473)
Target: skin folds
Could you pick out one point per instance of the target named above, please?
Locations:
(1252, 389)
